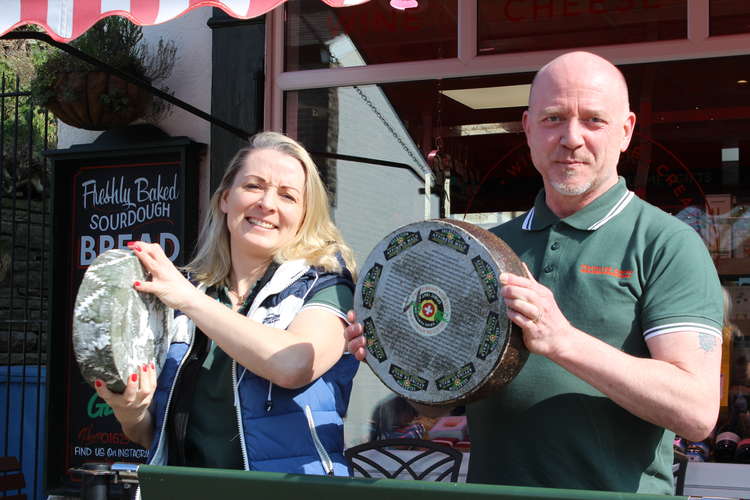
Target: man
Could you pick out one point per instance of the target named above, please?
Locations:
(623, 319)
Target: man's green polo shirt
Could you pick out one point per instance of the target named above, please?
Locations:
(621, 270)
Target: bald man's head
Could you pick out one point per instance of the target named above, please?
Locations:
(587, 66)
(577, 125)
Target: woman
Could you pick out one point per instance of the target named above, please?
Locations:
(256, 376)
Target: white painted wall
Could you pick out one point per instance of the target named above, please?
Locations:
(373, 200)
(191, 78)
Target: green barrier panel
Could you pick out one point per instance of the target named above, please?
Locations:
(186, 483)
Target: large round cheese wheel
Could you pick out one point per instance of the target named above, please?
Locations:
(435, 324)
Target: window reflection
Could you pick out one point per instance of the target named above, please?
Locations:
(318, 36)
(526, 25)
(366, 155)
(729, 17)
(692, 137)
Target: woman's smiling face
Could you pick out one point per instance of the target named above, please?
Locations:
(265, 204)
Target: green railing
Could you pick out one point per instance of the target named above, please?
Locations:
(186, 483)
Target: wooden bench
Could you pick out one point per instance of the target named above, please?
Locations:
(11, 478)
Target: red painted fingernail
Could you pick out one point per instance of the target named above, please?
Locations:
(145, 367)
(131, 243)
(98, 383)
(152, 366)
(137, 283)
(134, 377)
(138, 249)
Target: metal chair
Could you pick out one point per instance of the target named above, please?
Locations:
(415, 458)
(11, 478)
(679, 467)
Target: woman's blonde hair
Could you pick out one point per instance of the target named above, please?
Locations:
(317, 241)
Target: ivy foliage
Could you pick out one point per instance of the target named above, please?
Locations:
(26, 129)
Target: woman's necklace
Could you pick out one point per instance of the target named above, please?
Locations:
(240, 298)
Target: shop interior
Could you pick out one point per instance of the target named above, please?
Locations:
(690, 153)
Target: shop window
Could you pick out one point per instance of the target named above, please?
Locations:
(372, 166)
(318, 36)
(692, 136)
(356, 121)
(729, 17)
(690, 156)
(525, 25)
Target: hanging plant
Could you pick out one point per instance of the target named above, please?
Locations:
(87, 97)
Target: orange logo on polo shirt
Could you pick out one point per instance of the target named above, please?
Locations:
(607, 270)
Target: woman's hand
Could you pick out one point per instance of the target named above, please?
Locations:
(166, 281)
(131, 407)
(355, 339)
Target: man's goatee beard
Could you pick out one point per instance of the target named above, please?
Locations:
(571, 190)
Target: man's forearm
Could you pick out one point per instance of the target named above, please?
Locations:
(677, 388)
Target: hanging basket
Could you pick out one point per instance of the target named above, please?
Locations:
(97, 100)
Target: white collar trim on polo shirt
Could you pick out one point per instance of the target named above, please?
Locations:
(528, 221)
(619, 207)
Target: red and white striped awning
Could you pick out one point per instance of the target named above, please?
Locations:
(65, 20)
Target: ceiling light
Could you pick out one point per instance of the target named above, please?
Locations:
(484, 129)
(509, 96)
(730, 154)
(404, 4)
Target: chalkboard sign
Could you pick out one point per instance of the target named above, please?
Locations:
(115, 204)
(105, 197)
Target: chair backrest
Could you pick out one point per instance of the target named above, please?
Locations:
(11, 478)
(679, 467)
(405, 459)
